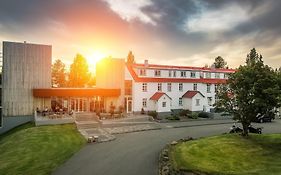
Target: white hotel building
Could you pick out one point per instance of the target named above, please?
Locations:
(164, 88)
(26, 86)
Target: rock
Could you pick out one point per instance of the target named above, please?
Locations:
(165, 158)
(174, 143)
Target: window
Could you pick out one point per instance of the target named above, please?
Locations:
(216, 87)
(183, 74)
(180, 101)
(217, 75)
(208, 75)
(195, 87)
(225, 75)
(144, 87)
(193, 74)
(208, 88)
(163, 104)
(197, 102)
(209, 101)
(157, 73)
(170, 73)
(169, 87)
(216, 98)
(144, 102)
(159, 87)
(142, 72)
(180, 86)
(175, 73)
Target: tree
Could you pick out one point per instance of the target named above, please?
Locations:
(250, 91)
(92, 81)
(219, 62)
(130, 58)
(58, 74)
(79, 72)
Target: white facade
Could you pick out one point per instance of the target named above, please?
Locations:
(163, 104)
(175, 81)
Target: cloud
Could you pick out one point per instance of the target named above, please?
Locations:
(131, 10)
(217, 20)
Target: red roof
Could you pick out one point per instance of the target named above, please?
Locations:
(157, 96)
(178, 80)
(157, 66)
(191, 94)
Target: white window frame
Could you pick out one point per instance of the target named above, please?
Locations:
(159, 87)
(183, 73)
(180, 101)
(169, 87)
(208, 88)
(157, 73)
(195, 86)
(164, 104)
(210, 100)
(208, 75)
(144, 87)
(142, 72)
(193, 74)
(170, 73)
(217, 75)
(144, 102)
(180, 87)
(175, 73)
(197, 102)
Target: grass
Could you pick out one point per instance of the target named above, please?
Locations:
(38, 150)
(229, 155)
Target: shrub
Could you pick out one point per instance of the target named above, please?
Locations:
(193, 116)
(153, 114)
(173, 117)
(184, 112)
(204, 115)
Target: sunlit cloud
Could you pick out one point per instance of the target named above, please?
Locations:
(130, 10)
(217, 20)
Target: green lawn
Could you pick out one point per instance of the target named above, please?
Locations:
(38, 150)
(230, 154)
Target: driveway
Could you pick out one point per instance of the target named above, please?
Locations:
(137, 153)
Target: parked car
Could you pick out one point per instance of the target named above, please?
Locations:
(255, 130)
(264, 118)
(235, 129)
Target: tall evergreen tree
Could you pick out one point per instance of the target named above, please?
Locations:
(220, 62)
(79, 72)
(130, 58)
(58, 74)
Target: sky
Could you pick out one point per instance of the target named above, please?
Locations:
(170, 32)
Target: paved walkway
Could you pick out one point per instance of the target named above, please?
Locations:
(137, 153)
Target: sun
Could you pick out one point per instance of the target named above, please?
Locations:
(94, 57)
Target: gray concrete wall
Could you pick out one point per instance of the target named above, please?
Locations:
(25, 66)
(12, 122)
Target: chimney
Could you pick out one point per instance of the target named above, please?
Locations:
(145, 63)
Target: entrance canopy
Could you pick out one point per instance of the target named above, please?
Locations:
(76, 92)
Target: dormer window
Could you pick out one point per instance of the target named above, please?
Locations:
(183, 74)
(193, 74)
(157, 73)
(142, 72)
(208, 74)
(217, 75)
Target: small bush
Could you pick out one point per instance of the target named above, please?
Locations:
(173, 117)
(153, 114)
(193, 116)
(204, 115)
(184, 112)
